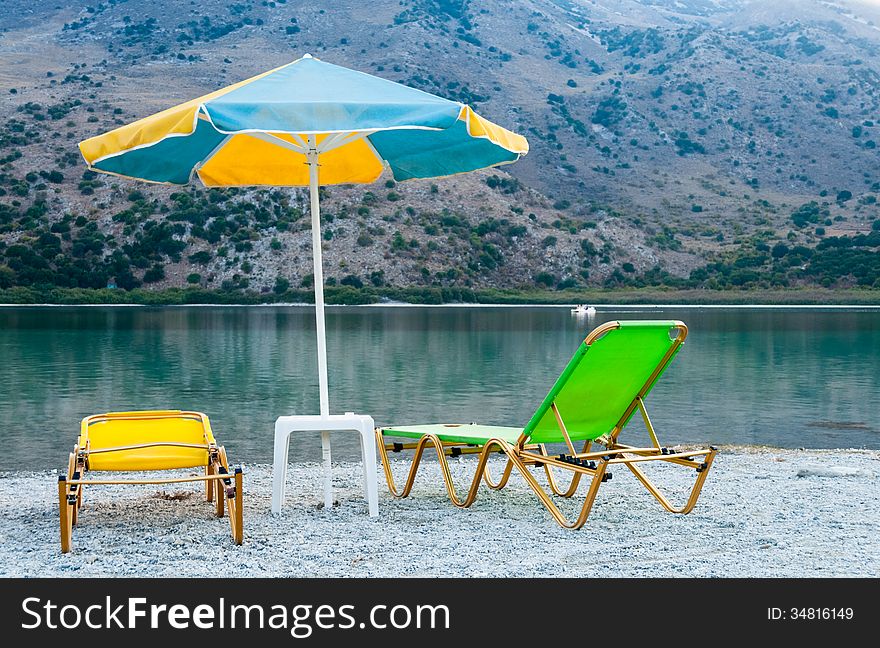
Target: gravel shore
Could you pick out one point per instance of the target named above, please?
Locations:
(763, 512)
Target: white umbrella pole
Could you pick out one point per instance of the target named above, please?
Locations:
(312, 159)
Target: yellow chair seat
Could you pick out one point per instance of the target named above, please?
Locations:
(136, 432)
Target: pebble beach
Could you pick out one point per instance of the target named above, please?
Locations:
(764, 512)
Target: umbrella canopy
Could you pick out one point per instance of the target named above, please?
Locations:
(305, 123)
(256, 133)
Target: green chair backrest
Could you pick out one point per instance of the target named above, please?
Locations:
(597, 390)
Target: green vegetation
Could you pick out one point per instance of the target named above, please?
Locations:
(635, 43)
(506, 184)
(73, 253)
(685, 145)
(808, 47)
(372, 295)
(809, 213)
(839, 262)
(206, 31)
(609, 112)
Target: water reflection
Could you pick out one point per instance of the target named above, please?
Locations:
(786, 378)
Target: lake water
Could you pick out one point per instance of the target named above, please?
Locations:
(790, 378)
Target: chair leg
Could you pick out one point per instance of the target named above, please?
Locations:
(695, 490)
(235, 509)
(239, 504)
(79, 502)
(479, 475)
(508, 469)
(386, 466)
(219, 497)
(502, 481)
(575, 479)
(77, 465)
(71, 470)
(209, 483)
(598, 478)
(74, 510)
(65, 518)
(219, 491)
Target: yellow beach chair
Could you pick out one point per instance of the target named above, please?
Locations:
(147, 441)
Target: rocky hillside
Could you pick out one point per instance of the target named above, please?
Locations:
(688, 143)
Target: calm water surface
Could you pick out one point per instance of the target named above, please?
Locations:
(787, 378)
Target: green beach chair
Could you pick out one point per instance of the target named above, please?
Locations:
(594, 398)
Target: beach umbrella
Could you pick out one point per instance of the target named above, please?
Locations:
(305, 123)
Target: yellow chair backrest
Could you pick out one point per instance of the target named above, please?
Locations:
(148, 440)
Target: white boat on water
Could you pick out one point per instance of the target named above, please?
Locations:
(583, 309)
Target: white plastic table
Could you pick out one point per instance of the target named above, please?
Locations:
(348, 422)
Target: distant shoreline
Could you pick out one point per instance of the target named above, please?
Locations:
(433, 296)
(612, 307)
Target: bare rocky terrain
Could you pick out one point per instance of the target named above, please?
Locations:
(694, 144)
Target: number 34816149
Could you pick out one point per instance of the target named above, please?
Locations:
(810, 614)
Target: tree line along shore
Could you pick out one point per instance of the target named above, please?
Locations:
(432, 295)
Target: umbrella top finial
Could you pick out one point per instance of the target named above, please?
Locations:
(307, 55)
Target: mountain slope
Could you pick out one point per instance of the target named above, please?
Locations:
(691, 143)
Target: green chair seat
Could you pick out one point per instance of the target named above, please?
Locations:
(457, 432)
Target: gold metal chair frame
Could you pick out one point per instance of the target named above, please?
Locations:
(523, 455)
(220, 485)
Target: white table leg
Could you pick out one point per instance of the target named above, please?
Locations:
(364, 479)
(279, 467)
(368, 458)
